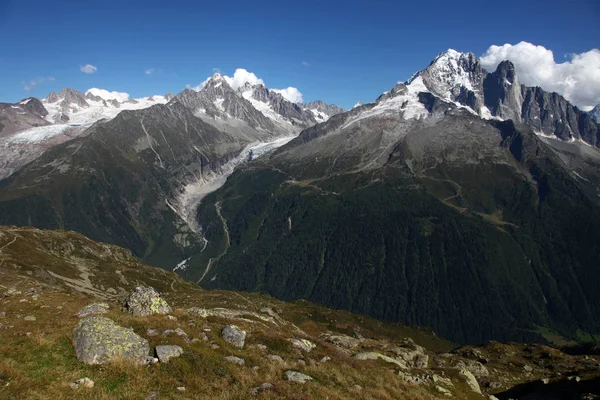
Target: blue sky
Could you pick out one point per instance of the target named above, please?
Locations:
(337, 51)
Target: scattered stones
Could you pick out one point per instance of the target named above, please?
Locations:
(409, 353)
(234, 335)
(12, 292)
(264, 387)
(165, 352)
(235, 360)
(83, 382)
(414, 379)
(30, 318)
(145, 301)
(303, 344)
(298, 377)
(93, 309)
(98, 339)
(471, 380)
(371, 355)
(274, 357)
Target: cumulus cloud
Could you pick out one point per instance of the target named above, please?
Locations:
(200, 86)
(577, 78)
(34, 82)
(241, 77)
(291, 94)
(149, 71)
(106, 95)
(88, 68)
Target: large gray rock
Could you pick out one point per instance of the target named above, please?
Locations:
(372, 355)
(165, 352)
(471, 380)
(93, 309)
(303, 344)
(234, 335)
(145, 301)
(98, 340)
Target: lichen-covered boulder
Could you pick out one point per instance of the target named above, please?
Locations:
(165, 352)
(234, 335)
(298, 377)
(93, 309)
(371, 355)
(145, 301)
(98, 340)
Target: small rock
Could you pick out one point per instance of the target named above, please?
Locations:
(545, 381)
(261, 347)
(2, 314)
(214, 346)
(181, 388)
(264, 387)
(145, 301)
(325, 359)
(302, 362)
(23, 301)
(443, 391)
(29, 292)
(274, 357)
(83, 382)
(195, 340)
(151, 360)
(234, 335)
(303, 344)
(344, 341)
(59, 307)
(165, 352)
(422, 361)
(152, 396)
(93, 309)
(527, 368)
(152, 332)
(235, 360)
(371, 355)
(298, 377)
(171, 317)
(35, 297)
(204, 337)
(30, 318)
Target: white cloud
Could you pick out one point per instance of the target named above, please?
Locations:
(292, 94)
(149, 71)
(106, 95)
(577, 79)
(306, 63)
(241, 77)
(33, 83)
(88, 68)
(200, 86)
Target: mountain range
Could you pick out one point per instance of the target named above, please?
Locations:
(459, 200)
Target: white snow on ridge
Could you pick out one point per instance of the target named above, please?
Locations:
(408, 104)
(106, 95)
(25, 101)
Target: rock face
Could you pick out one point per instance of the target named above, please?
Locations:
(298, 377)
(165, 352)
(93, 309)
(471, 380)
(98, 340)
(144, 301)
(234, 335)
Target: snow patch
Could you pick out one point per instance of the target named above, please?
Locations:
(36, 135)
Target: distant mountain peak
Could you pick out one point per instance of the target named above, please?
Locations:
(595, 113)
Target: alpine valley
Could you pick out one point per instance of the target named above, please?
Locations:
(459, 200)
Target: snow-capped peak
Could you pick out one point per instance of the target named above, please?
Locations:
(358, 104)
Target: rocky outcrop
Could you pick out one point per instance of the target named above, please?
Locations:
(372, 355)
(165, 352)
(303, 344)
(144, 301)
(297, 377)
(98, 340)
